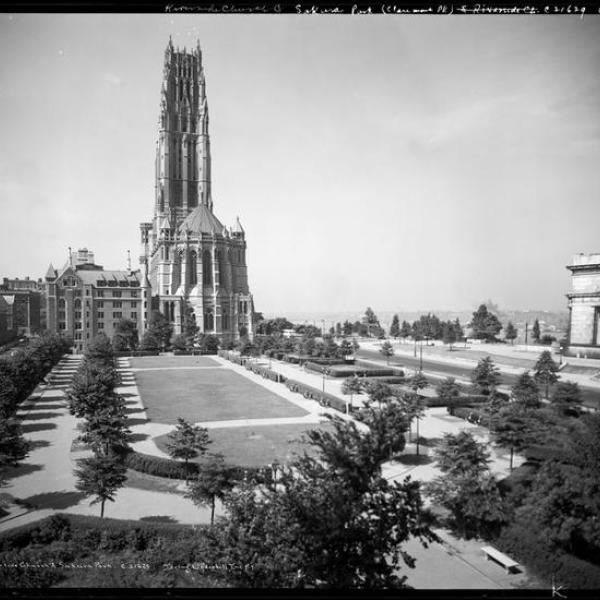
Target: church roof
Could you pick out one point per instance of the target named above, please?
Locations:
(51, 272)
(201, 220)
(238, 226)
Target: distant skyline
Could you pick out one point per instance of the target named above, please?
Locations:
(400, 163)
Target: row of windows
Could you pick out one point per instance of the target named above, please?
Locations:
(100, 303)
(113, 283)
(115, 315)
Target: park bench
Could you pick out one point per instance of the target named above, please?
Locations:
(508, 563)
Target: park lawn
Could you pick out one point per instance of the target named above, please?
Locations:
(256, 445)
(208, 395)
(166, 362)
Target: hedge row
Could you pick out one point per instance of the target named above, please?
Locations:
(231, 357)
(265, 372)
(323, 398)
(136, 353)
(472, 415)
(349, 370)
(547, 562)
(158, 466)
(196, 352)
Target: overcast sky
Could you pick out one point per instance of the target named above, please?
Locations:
(397, 162)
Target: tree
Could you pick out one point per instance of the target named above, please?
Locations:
(378, 391)
(405, 330)
(458, 330)
(126, 335)
(486, 376)
(13, 446)
(100, 349)
(347, 327)
(8, 395)
(485, 325)
(187, 441)
(190, 328)
(179, 342)
(449, 390)
(209, 344)
(535, 332)
(510, 332)
(106, 430)
(100, 476)
(525, 391)
(345, 348)
(214, 480)
(331, 522)
(545, 371)
(160, 328)
(415, 409)
(351, 386)
(466, 488)
(449, 334)
(514, 426)
(567, 397)
(371, 322)
(395, 327)
(418, 382)
(92, 388)
(387, 350)
(149, 341)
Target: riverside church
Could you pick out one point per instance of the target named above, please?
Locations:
(192, 263)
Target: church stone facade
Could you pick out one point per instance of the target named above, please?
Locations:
(584, 306)
(193, 263)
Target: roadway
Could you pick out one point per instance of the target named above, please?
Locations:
(590, 395)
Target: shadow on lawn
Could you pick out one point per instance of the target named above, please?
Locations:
(128, 395)
(131, 411)
(33, 427)
(40, 416)
(57, 500)
(413, 459)
(138, 437)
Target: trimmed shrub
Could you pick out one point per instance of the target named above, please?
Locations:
(323, 398)
(156, 465)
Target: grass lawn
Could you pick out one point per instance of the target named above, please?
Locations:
(164, 362)
(257, 445)
(208, 395)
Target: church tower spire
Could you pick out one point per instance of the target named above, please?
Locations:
(183, 148)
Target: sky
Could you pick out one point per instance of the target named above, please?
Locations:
(401, 162)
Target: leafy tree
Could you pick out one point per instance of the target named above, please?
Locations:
(405, 330)
(8, 395)
(338, 329)
(486, 376)
(510, 332)
(100, 349)
(160, 328)
(458, 330)
(345, 348)
(106, 430)
(209, 344)
(100, 476)
(466, 488)
(545, 371)
(150, 341)
(351, 386)
(347, 327)
(514, 426)
(187, 441)
(378, 391)
(13, 446)
(92, 388)
(190, 328)
(414, 408)
(126, 335)
(371, 322)
(332, 521)
(387, 350)
(395, 327)
(485, 325)
(535, 332)
(214, 480)
(525, 391)
(567, 397)
(179, 342)
(449, 390)
(418, 382)
(449, 334)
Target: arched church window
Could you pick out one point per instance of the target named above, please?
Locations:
(209, 322)
(225, 320)
(206, 268)
(193, 268)
(77, 303)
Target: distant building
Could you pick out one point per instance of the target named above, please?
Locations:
(23, 297)
(83, 299)
(584, 306)
(194, 264)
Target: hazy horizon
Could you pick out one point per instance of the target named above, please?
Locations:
(393, 162)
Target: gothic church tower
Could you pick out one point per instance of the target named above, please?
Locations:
(190, 259)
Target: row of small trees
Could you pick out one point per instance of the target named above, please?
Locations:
(21, 370)
(104, 430)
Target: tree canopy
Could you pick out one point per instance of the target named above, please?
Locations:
(485, 324)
